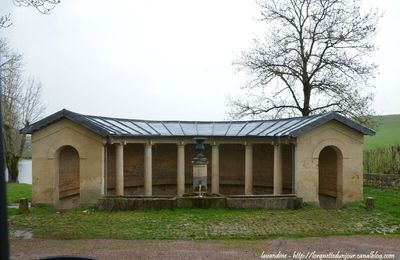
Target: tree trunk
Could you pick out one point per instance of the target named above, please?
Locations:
(307, 96)
(12, 166)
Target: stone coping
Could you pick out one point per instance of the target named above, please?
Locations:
(195, 196)
(139, 196)
(289, 201)
(255, 196)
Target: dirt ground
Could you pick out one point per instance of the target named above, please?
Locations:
(371, 247)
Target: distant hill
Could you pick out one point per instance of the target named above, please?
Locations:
(388, 132)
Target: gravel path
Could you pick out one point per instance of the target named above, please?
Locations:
(372, 247)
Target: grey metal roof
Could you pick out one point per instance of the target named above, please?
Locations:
(107, 126)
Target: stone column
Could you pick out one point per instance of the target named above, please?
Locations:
(148, 171)
(248, 174)
(277, 169)
(119, 169)
(215, 168)
(180, 179)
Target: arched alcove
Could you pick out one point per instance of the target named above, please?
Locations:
(330, 167)
(68, 177)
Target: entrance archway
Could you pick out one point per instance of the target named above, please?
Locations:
(330, 165)
(68, 178)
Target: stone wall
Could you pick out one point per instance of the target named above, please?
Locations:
(379, 180)
(349, 172)
(49, 157)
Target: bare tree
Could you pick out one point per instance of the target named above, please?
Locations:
(20, 98)
(21, 104)
(43, 6)
(5, 21)
(314, 58)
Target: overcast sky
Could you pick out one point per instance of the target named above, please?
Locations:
(157, 59)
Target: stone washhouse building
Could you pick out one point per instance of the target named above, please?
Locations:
(80, 158)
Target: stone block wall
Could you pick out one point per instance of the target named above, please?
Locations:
(380, 180)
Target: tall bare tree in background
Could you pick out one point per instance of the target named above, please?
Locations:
(314, 59)
(20, 97)
(21, 104)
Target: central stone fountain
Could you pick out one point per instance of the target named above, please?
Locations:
(200, 168)
(200, 197)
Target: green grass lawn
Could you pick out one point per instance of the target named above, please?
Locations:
(17, 191)
(388, 133)
(186, 224)
(386, 200)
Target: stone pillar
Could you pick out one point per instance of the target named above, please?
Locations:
(277, 169)
(215, 168)
(119, 169)
(180, 181)
(148, 170)
(248, 174)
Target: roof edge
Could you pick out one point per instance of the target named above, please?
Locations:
(64, 113)
(86, 122)
(333, 116)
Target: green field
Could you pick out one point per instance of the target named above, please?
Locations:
(199, 224)
(387, 134)
(16, 191)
